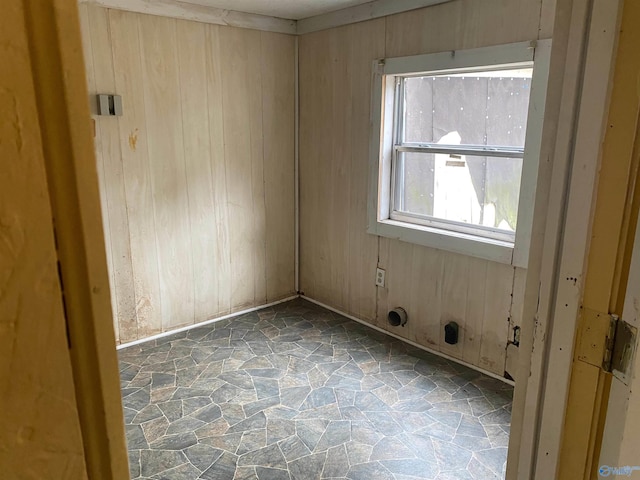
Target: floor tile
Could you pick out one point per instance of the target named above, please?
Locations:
(298, 392)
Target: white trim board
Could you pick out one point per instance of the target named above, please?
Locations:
(417, 345)
(361, 13)
(589, 133)
(200, 13)
(233, 18)
(205, 323)
(380, 209)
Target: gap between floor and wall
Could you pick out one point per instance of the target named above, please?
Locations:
(323, 305)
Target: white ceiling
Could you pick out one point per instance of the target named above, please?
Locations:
(291, 9)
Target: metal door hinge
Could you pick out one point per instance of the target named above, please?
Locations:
(620, 348)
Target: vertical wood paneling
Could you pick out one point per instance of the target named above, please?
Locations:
(495, 331)
(462, 24)
(455, 289)
(338, 168)
(398, 276)
(192, 64)
(137, 170)
(168, 179)
(321, 171)
(314, 73)
(278, 127)
(221, 254)
(197, 175)
(515, 320)
(434, 286)
(474, 314)
(255, 121)
(335, 97)
(85, 27)
(426, 296)
(367, 43)
(112, 180)
(424, 31)
(382, 294)
(519, 284)
(238, 149)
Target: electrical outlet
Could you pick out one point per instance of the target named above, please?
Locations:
(380, 277)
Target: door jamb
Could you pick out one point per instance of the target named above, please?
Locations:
(57, 62)
(584, 42)
(59, 80)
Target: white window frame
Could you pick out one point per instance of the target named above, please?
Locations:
(385, 72)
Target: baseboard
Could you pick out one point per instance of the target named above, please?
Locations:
(417, 345)
(323, 305)
(202, 324)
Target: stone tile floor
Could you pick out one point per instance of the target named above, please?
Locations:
(298, 392)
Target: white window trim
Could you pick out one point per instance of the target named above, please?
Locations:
(379, 221)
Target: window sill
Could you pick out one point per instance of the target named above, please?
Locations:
(465, 244)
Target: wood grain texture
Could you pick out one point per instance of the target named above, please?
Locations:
(239, 85)
(40, 435)
(516, 320)
(221, 254)
(200, 13)
(85, 27)
(137, 170)
(278, 126)
(462, 24)
(338, 258)
(198, 172)
(192, 64)
(160, 76)
(474, 314)
(314, 75)
(455, 283)
(366, 43)
(112, 180)
(66, 135)
(495, 327)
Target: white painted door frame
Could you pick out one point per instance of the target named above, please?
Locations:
(584, 41)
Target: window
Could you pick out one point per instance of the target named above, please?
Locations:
(455, 148)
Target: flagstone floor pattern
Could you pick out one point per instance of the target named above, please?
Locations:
(296, 392)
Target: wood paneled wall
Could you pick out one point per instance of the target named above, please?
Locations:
(338, 258)
(197, 176)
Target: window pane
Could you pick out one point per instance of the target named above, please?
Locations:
(479, 108)
(460, 188)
